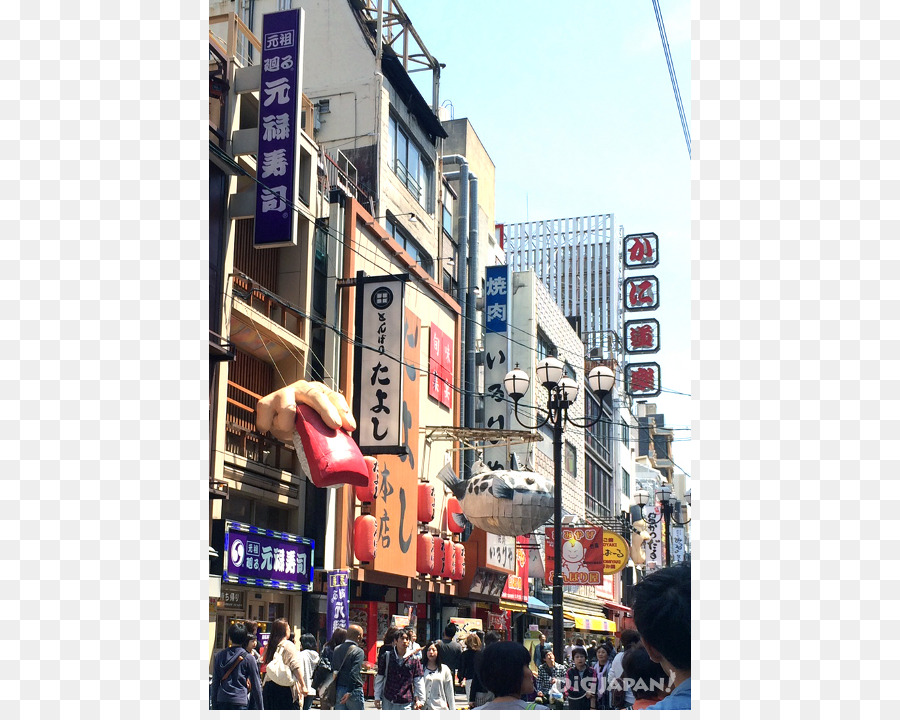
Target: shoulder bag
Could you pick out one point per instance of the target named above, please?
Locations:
(328, 690)
(277, 670)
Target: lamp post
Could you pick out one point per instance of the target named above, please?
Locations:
(561, 393)
(664, 496)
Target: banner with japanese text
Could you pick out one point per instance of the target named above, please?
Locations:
(278, 170)
(338, 610)
(655, 547)
(517, 581)
(395, 505)
(582, 555)
(496, 365)
(266, 558)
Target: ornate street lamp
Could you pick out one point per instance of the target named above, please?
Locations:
(561, 393)
(664, 496)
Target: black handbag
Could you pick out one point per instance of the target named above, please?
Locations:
(322, 673)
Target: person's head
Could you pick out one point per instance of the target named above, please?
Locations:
(504, 669)
(355, 633)
(662, 613)
(252, 627)
(450, 631)
(543, 638)
(610, 650)
(473, 642)
(412, 635)
(579, 657)
(602, 655)
(237, 634)
(647, 679)
(308, 642)
(578, 640)
(337, 637)
(280, 631)
(401, 641)
(480, 634)
(549, 658)
(433, 654)
(630, 638)
(490, 637)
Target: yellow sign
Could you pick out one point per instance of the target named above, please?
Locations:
(615, 553)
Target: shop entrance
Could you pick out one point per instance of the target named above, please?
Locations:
(257, 604)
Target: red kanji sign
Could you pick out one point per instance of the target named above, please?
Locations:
(641, 250)
(641, 292)
(643, 379)
(642, 336)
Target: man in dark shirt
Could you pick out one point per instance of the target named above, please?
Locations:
(399, 684)
(349, 656)
(540, 650)
(450, 651)
(582, 681)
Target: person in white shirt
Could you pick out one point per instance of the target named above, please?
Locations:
(439, 689)
(630, 638)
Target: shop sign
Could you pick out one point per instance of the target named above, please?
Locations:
(643, 379)
(495, 302)
(233, 599)
(379, 360)
(582, 555)
(642, 336)
(440, 366)
(278, 172)
(654, 553)
(517, 582)
(395, 506)
(501, 552)
(488, 582)
(615, 553)
(641, 250)
(677, 544)
(338, 612)
(266, 558)
(641, 293)
(496, 364)
(464, 626)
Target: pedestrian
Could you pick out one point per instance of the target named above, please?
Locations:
(252, 640)
(450, 650)
(399, 684)
(604, 656)
(309, 658)
(387, 642)
(439, 688)
(348, 660)
(414, 647)
(581, 682)
(662, 614)
(282, 691)
(506, 673)
(646, 678)
(479, 694)
(550, 682)
(621, 697)
(466, 673)
(337, 638)
(540, 650)
(234, 670)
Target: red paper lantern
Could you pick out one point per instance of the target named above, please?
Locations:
(449, 560)
(368, 492)
(453, 506)
(364, 533)
(425, 554)
(460, 555)
(439, 557)
(426, 503)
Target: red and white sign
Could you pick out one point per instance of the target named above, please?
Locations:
(641, 250)
(642, 336)
(582, 555)
(643, 379)
(440, 367)
(516, 587)
(641, 293)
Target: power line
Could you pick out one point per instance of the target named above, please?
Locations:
(665, 43)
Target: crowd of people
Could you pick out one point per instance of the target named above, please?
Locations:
(650, 669)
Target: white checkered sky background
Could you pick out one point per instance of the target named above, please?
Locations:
(795, 187)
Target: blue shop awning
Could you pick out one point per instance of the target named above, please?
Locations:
(535, 605)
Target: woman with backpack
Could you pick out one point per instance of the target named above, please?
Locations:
(284, 685)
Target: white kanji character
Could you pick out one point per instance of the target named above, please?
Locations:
(271, 64)
(495, 286)
(276, 127)
(290, 562)
(287, 62)
(277, 91)
(279, 560)
(274, 162)
(273, 200)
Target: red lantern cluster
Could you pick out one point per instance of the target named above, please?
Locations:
(367, 493)
(364, 536)
(453, 506)
(425, 554)
(426, 503)
(459, 569)
(449, 569)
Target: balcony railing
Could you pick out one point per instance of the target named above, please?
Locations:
(234, 39)
(246, 290)
(241, 437)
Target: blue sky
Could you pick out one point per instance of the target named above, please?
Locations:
(574, 104)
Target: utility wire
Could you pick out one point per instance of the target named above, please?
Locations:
(665, 43)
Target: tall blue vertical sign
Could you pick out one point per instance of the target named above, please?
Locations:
(496, 352)
(278, 170)
(338, 610)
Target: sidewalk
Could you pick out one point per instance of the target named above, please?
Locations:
(461, 702)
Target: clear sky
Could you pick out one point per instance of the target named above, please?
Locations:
(574, 104)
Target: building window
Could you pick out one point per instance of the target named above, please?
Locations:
(571, 459)
(597, 436)
(407, 163)
(626, 483)
(411, 246)
(598, 490)
(545, 348)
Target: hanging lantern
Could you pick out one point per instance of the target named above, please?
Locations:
(453, 506)
(368, 492)
(438, 569)
(449, 560)
(425, 554)
(426, 503)
(460, 556)
(364, 533)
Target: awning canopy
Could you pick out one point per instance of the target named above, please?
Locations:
(537, 605)
(513, 606)
(547, 616)
(594, 624)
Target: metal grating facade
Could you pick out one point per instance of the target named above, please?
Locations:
(579, 260)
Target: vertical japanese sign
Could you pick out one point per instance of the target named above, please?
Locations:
(440, 366)
(378, 401)
(338, 610)
(642, 336)
(500, 552)
(654, 554)
(517, 582)
(395, 504)
(641, 293)
(496, 351)
(677, 544)
(266, 558)
(641, 251)
(281, 85)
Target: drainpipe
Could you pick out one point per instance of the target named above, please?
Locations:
(470, 302)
